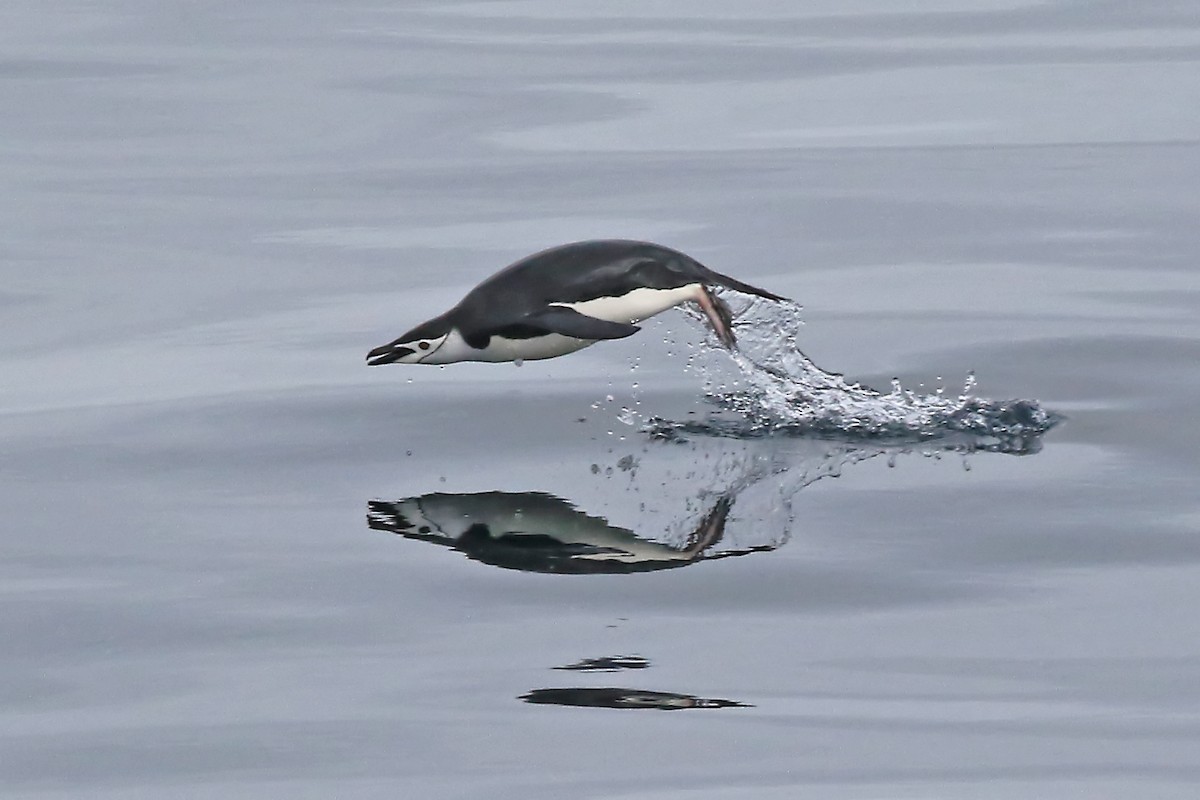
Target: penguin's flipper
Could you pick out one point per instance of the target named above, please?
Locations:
(569, 322)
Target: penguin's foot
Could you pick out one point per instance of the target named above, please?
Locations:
(719, 316)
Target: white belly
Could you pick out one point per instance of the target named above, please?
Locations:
(638, 305)
(635, 306)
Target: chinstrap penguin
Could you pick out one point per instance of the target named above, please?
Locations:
(566, 298)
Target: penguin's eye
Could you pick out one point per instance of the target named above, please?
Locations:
(423, 345)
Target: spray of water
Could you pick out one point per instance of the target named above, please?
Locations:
(778, 390)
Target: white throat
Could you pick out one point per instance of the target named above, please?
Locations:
(455, 348)
(631, 307)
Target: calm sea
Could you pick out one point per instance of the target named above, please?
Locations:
(214, 581)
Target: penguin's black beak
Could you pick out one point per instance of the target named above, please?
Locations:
(388, 354)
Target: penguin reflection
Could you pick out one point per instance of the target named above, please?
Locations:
(625, 698)
(538, 532)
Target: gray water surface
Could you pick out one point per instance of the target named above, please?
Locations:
(212, 211)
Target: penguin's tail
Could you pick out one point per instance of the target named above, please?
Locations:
(745, 288)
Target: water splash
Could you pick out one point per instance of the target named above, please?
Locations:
(779, 391)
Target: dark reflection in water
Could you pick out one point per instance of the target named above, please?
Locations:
(607, 664)
(625, 698)
(692, 518)
(538, 532)
(612, 697)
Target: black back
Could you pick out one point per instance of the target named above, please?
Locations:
(574, 273)
(569, 273)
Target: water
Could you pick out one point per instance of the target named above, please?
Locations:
(213, 211)
(782, 392)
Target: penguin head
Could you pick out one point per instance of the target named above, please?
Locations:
(407, 518)
(416, 346)
(406, 351)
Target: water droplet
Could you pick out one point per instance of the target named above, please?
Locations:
(776, 387)
(518, 362)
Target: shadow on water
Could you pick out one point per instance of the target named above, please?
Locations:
(612, 697)
(607, 697)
